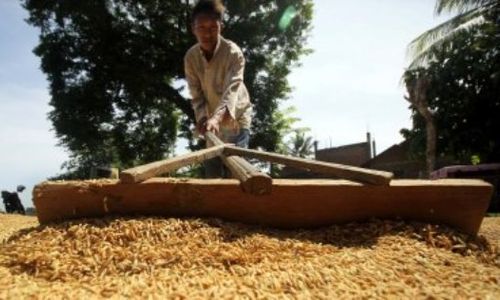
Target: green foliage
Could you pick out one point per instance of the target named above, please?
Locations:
(471, 15)
(300, 144)
(475, 160)
(114, 69)
(464, 96)
(284, 121)
(270, 53)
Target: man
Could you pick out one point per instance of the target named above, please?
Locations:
(12, 202)
(214, 70)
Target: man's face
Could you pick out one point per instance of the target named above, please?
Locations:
(206, 28)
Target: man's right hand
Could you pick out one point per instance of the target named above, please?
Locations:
(202, 126)
(213, 125)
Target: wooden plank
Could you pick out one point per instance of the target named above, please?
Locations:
(252, 180)
(143, 172)
(293, 203)
(326, 168)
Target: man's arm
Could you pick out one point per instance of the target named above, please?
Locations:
(232, 83)
(198, 101)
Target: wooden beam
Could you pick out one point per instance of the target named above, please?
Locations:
(293, 203)
(141, 173)
(252, 180)
(342, 171)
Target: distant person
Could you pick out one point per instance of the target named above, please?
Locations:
(12, 202)
(214, 69)
(6, 202)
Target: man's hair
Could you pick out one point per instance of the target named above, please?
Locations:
(213, 8)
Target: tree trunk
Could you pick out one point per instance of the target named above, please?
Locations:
(430, 127)
(417, 90)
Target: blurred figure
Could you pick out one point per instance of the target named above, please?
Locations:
(12, 202)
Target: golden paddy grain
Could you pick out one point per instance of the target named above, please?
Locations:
(207, 258)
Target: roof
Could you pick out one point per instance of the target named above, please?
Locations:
(395, 152)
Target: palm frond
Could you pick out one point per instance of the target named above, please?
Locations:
(300, 145)
(419, 48)
(460, 6)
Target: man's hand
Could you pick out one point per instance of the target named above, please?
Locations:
(213, 125)
(202, 126)
(214, 121)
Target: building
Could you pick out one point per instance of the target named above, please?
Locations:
(396, 159)
(352, 154)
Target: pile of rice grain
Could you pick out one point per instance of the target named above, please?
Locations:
(10, 224)
(209, 258)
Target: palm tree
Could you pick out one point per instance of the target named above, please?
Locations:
(470, 15)
(417, 96)
(300, 145)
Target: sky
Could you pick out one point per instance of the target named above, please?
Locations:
(349, 85)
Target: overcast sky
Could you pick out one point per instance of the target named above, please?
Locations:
(348, 85)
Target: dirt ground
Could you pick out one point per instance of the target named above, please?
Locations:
(208, 258)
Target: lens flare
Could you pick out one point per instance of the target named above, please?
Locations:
(287, 17)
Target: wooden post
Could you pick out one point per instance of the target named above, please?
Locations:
(252, 180)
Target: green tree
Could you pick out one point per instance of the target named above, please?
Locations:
(115, 71)
(463, 96)
(300, 144)
(470, 15)
(284, 121)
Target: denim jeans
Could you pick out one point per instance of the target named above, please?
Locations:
(214, 168)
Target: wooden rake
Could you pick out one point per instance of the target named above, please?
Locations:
(252, 180)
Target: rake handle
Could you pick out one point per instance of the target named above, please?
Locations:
(252, 180)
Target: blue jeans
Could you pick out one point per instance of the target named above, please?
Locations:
(214, 168)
